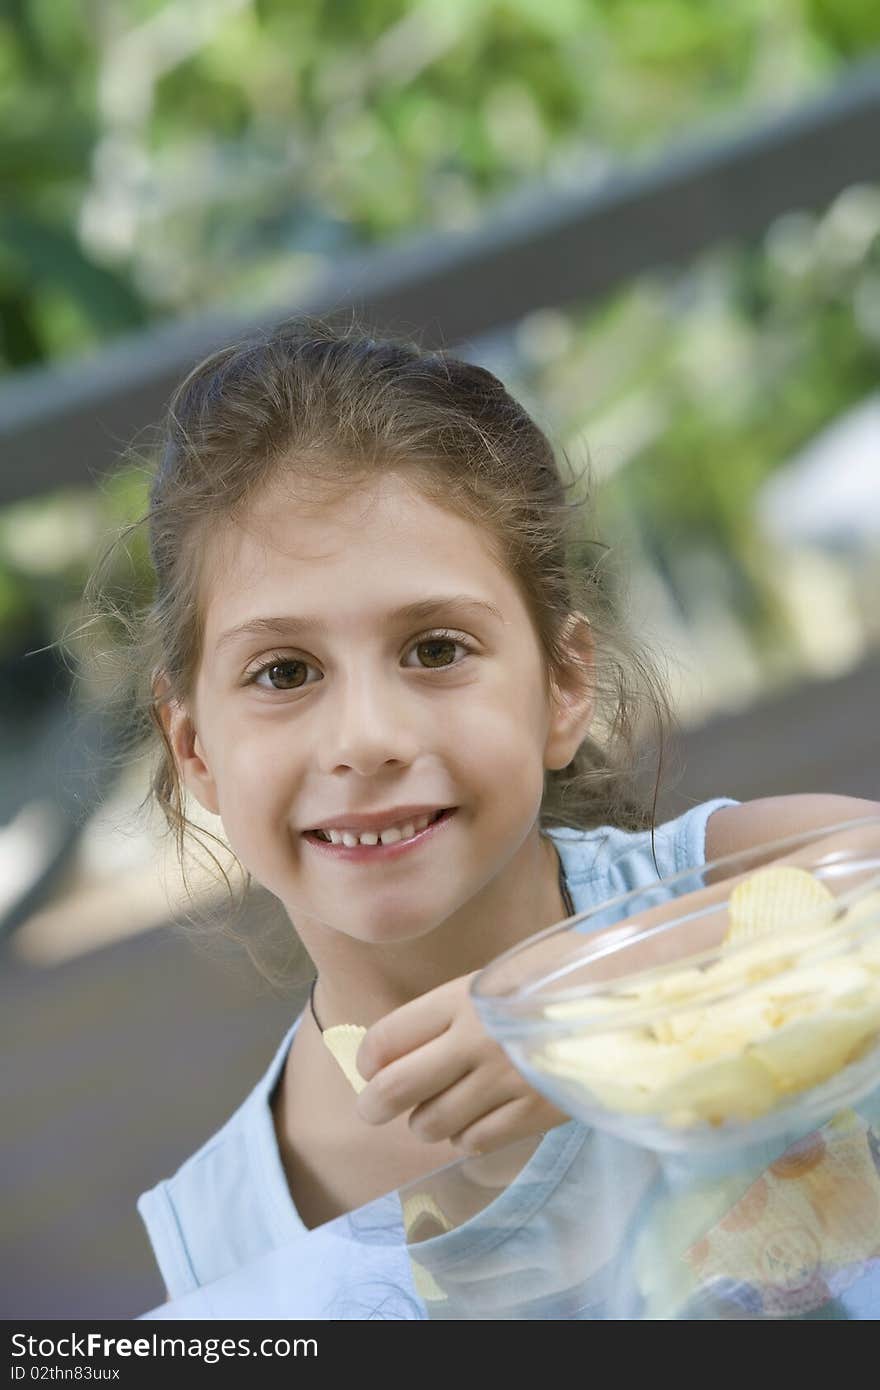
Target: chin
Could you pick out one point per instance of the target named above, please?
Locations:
(388, 932)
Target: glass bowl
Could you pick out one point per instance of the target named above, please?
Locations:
(729, 1003)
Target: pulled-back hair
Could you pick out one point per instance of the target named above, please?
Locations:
(339, 407)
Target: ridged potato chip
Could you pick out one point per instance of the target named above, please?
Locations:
(773, 899)
(343, 1042)
(419, 1206)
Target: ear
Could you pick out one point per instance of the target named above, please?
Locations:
(573, 698)
(185, 744)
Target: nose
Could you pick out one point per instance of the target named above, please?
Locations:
(368, 721)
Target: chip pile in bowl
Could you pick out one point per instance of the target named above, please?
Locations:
(769, 1018)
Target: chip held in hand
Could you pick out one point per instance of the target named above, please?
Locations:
(343, 1042)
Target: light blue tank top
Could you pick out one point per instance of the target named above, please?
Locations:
(229, 1205)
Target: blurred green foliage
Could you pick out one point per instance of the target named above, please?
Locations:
(54, 294)
(730, 367)
(160, 157)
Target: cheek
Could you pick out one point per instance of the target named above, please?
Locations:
(508, 729)
(499, 759)
(255, 798)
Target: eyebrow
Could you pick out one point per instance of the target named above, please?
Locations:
(410, 612)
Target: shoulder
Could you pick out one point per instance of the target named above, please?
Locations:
(604, 861)
(743, 826)
(180, 1212)
(225, 1204)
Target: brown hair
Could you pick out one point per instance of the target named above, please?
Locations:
(342, 405)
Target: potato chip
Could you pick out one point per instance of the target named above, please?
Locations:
(679, 1026)
(775, 898)
(592, 1006)
(810, 1050)
(734, 1088)
(865, 909)
(421, 1207)
(863, 912)
(621, 1069)
(623, 1098)
(870, 954)
(758, 961)
(681, 1119)
(838, 983)
(669, 988)
(679, 984)
(343, 1042)
(425, 1284)
(728, 1027)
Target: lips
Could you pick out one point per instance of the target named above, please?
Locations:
(379, 853)
(377, 827)
(435, 815)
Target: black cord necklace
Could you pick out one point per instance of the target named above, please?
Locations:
(566, 898)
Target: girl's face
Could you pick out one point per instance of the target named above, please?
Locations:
(364, 709)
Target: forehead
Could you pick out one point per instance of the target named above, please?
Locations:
(385, 541)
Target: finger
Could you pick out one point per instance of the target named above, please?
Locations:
(411, 1079)
(406, 1028)
(464, 1103)
(507, 1124)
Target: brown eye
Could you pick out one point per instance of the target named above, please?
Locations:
(273, 668)
(434, 646)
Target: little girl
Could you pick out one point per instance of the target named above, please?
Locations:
(374, 653)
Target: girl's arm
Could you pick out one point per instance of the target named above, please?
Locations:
(734, 829)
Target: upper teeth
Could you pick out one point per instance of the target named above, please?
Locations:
(405, 831)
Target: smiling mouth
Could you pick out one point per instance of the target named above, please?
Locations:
(324, 835)
(382, 847)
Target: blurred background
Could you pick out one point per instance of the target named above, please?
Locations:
(657, 220)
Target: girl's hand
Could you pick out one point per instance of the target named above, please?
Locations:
(433, 1057)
